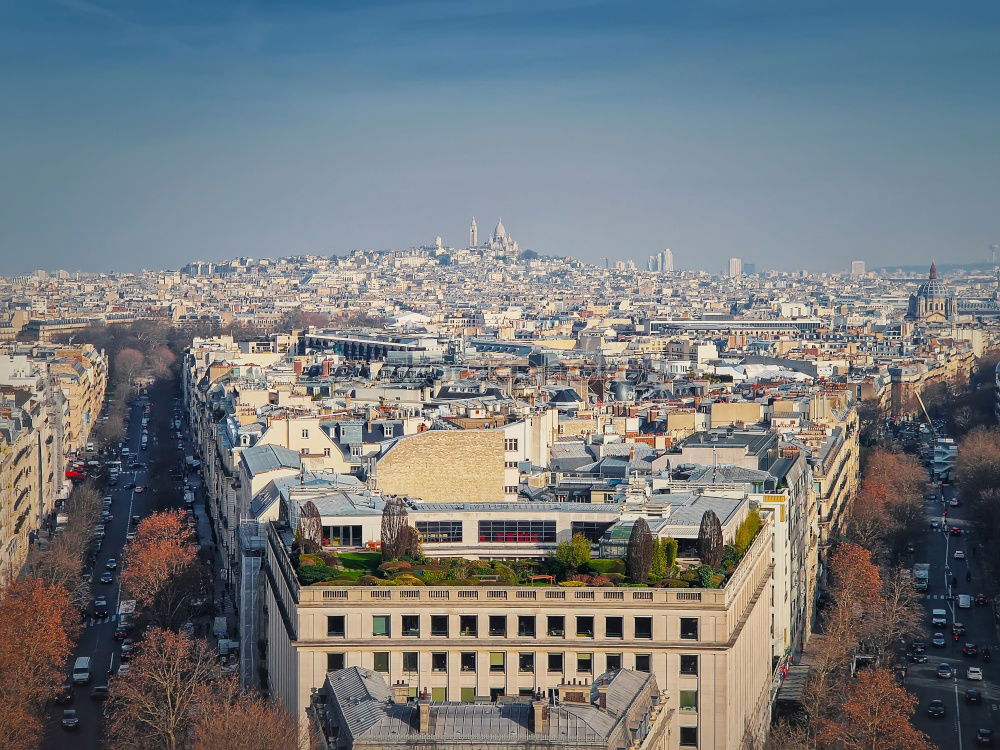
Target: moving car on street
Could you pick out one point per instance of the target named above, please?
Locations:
(935, 709)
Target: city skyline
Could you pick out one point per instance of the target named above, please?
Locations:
(138, 134)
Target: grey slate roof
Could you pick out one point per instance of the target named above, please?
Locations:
(263, 458)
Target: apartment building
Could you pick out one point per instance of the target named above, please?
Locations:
(455, 643)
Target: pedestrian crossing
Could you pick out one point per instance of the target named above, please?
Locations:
(93, 622)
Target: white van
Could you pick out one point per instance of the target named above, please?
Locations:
(939, 618)
(964, 601)
(81, 670)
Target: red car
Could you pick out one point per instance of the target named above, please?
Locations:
(955, 531)
(980, 599)
(970, 649)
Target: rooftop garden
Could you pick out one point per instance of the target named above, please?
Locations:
(647, 562)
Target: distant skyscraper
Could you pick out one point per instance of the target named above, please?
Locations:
(749, 269)
(735, 267)
(473, 234)
(857, 268)
(667, 261)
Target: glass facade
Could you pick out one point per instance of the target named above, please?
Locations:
(440, 531)
(517, 531)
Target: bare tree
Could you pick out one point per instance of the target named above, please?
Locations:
(639, 554)
(152, 706)
(393, 524)
(237, 719)
(899, 614)
(310, 527)
(710, 539)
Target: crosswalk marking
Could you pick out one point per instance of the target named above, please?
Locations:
(94, 621)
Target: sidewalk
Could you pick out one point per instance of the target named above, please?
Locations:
(221, 603)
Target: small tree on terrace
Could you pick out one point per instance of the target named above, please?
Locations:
(710, 539)
(574, 553)
(639, 555)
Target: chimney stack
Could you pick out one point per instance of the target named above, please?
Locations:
(326, 368)
(400, 692)
(297, 366)
(540, 716)
(602, 697)
(424, 714)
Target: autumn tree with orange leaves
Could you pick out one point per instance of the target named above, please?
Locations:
(37, 627)
(889, 507)
(161, 571)
(876, 714)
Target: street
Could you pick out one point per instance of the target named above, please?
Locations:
(96, 637)
(957, 729)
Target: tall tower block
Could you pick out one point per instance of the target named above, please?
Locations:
(473, 234)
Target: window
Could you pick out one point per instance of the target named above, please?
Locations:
(381, 661)
(498, 626)
(510, 444)
(613, 627)
(305, 434)
(335, 627)
(613, 661)
(643, 627)
(526, 626)
(468, 661)
(439, 695)
(642, 662)
(335, 661)
(510, 489)
(510, 464)
(584, 627)
(689, 700)
(439, 625)
(556, 626)
(585, 662)
(689, 628)
(526, 661)
(342, 536)
(326, 452)
(437, 532)
(555, 662)
(356, 451)
(517, 531)
(689, 664)
(468, 695)
(592, 530)
(468, 625)
(411, 625)
(410, 661)
(380, 625)
(689, 736)
(439, 661)
(498, 661)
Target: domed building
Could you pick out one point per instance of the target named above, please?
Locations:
(933, 301)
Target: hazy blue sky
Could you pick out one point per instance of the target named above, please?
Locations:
(792, 133)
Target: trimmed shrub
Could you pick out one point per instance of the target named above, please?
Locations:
(572, 583)
(368, 580)
(310, 574)
(688, 575)
(717, 580)
(600, 581)
(608, 566)
(305, 559)
(397, 565)
(616, 577)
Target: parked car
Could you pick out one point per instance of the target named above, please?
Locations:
(65, 694)
(99, 693)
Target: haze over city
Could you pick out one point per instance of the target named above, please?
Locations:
(792, 134)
